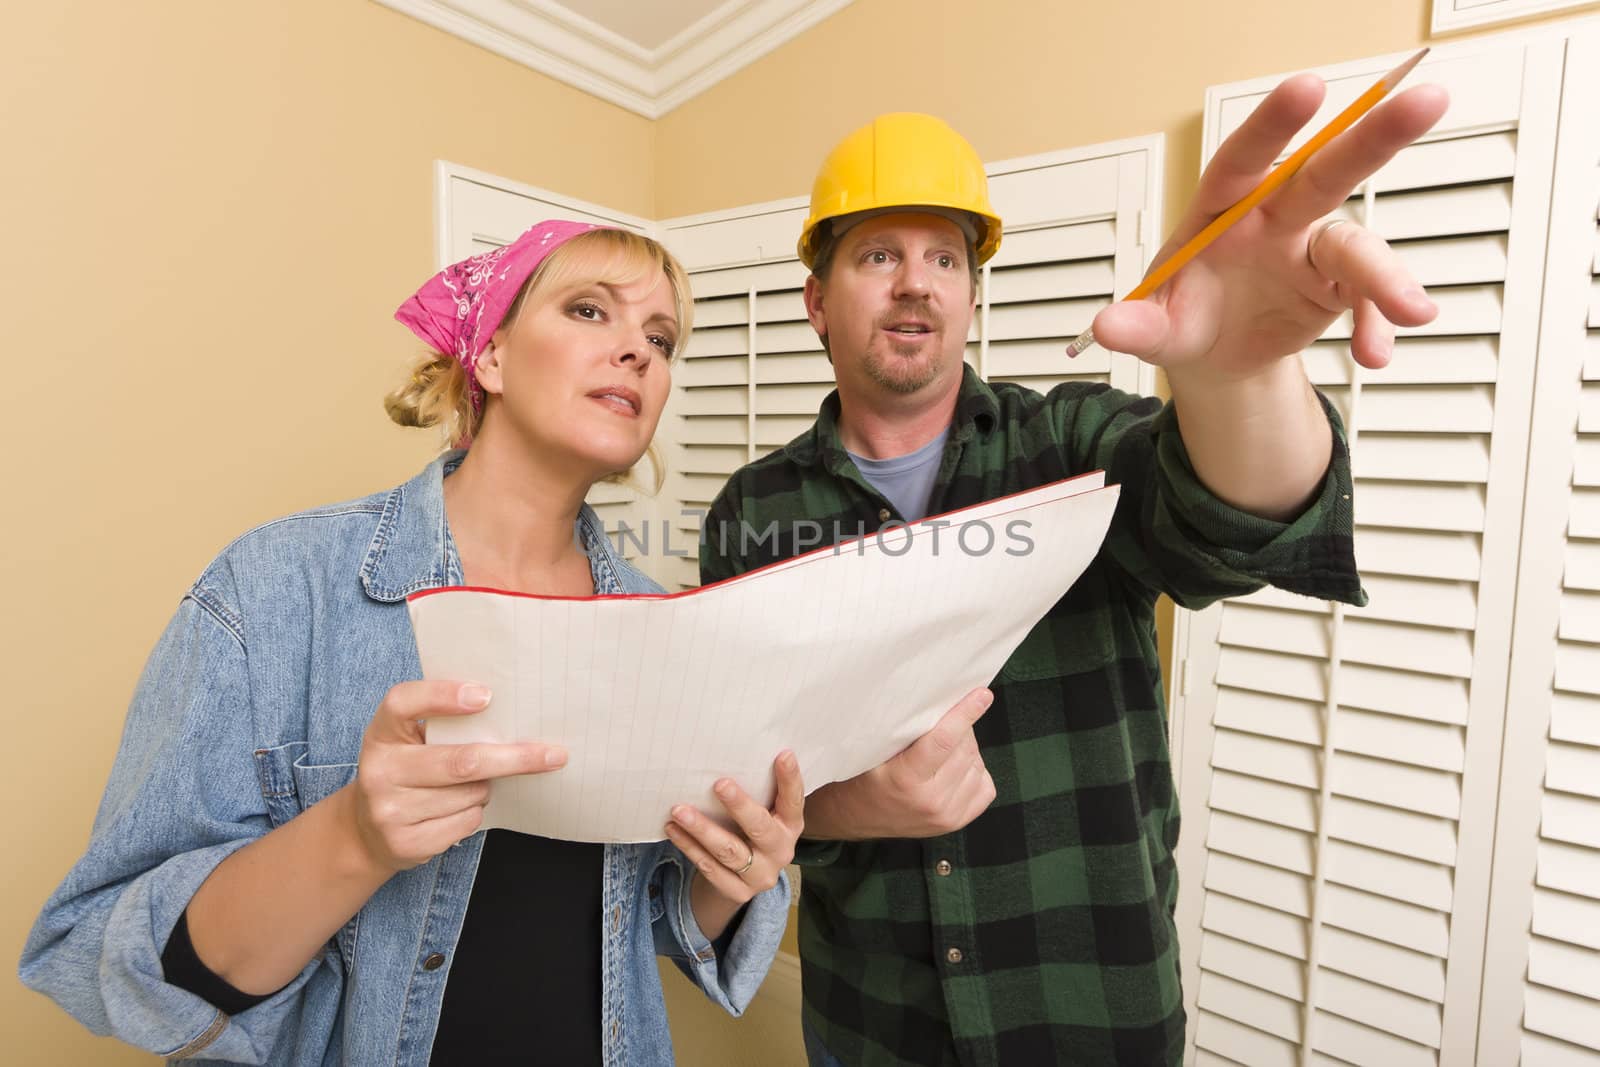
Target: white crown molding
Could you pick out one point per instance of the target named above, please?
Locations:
(544, 35)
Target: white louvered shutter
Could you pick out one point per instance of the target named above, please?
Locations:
(728, 406)
(1338, 767)
(754, 373)
(479, 212)
(1542, 986)
(1079, 231)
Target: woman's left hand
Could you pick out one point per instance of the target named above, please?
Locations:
(736, 865)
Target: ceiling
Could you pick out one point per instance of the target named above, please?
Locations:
(645, 55)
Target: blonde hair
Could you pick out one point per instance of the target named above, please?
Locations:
(437, 393)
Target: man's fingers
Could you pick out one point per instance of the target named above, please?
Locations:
(1372, 342)
(929, 752)
(406, 703)
(1364, 267)
(1249, 152)
(1330, 176)
(439, 765)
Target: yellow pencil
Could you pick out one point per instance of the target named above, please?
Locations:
(1280, 174)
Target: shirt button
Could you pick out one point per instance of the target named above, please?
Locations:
(943, 867)
(616, 1028)
(433, 962)
(616, 917)
(883, 514)
(953, 955)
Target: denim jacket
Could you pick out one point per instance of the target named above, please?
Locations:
(251, 709)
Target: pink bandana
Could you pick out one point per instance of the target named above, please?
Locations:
(459, 308)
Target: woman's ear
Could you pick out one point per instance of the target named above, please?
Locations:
(488, 370)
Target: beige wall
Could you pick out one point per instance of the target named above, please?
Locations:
(211, 211)
(213, 208)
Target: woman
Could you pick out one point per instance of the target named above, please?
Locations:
(280, 874)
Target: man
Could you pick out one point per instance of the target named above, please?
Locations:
(936, 926)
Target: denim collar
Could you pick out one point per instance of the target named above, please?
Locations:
(412, 548)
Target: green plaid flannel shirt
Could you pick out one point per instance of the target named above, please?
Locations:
(1043, 932)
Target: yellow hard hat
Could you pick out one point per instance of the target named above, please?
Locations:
(901, 160)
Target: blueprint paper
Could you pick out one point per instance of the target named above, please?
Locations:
(845, 655)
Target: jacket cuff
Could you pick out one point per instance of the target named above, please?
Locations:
(146, 1010)
(730, 978)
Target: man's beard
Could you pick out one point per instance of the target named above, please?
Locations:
(902, 374)
(896, 368)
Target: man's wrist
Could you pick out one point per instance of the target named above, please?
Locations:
(827, 814)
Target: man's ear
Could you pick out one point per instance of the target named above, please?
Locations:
(814, 309)
(489, 370)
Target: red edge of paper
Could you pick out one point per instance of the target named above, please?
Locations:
(833, 549)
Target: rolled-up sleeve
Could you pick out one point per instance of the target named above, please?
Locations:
(182, 797)
(730, 977)
(1172, 535)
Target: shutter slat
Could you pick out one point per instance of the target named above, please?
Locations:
(1423, 696)
(1421, 929)
(1247, 1004)
(1417, 457)
(1295, 676)
(1396, 785)
(1268, 927)
(774, 338)
(1575, 719)
(1456, 261)
(1420, 506)
(1382, 644)
(1052, 281)
(1446, 212)
(1452, 161)
(1254, 1047)
(782, 369)
(1354, 1043)
(1567, 917)
(1569, 868)
(1583, 565)
(1574, 820)
(1564, 1016)
(1261, 799)
(1574, 769)
(1275, 846)
(1042, 359)
(1253, 965)
(1425, 555)
(1414, 742)
(1054, 318)
(1426, 837)
(1089, 240)
(1385, 1010)
(1259, 883)
(1464, 409)
(1269, 715)
(1384, 964)
(1426, 885)
(1418, 600)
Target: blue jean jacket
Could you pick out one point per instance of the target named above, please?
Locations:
(251, 709)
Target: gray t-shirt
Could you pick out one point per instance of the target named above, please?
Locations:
(905, 481)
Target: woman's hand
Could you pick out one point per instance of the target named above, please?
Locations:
(734, 866)
(411, 801)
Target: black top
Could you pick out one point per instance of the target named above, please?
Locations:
(524, 985)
